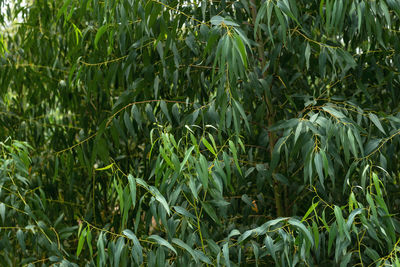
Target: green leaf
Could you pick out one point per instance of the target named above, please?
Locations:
(311, 209)
(352, 143)
(211, 212)
(245, 235)
(129, 125)
(322, 62)
(271, 248)
(185, 159)
(276, 153)
(265, 227)
(332, 236)
(282, 23)
(202, 171)
(176, 112)
(118, 250)
(77, 33)
(325, 161)
(183, 245)
(99, 33)
(164, 109)
(242, 50)
(160, 198)
(234, 232)
(286, 9)
(376, 121)
(212, 38)
(372, 206)
(89, 242)
(281, 178)
(136, 248)
(136, 114)
(63, 9)
(372, 254)
(132, 188)
(307, 54)
(256, 250)
(21, 240)
(81, 242)
(208, 146)
(161, 241)
(285, 124)
(105, 168)
(339, 219)
(166, 158)
(232, 148)
(241, 111)
(376, 182)
(192, 186)
(303, 229)
(156, 84)
(213, 141)
(318, 165)
(216, 20)
(346, 259)
(371, 146)
(202, 257)
(129, 234)
(149, 112)
(225, 251)
(52, 259)
(184, 212)
(299, 128)
(385, 11)
(260, 16)
(154, 191)
(347, 58)
(316, 234)
(100, 249)
(352, 215)
(3, 212)
(337, 114)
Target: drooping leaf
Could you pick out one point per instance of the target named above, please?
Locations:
(132, 187)
(376, 121)
(100, 33)
(183, 245)
(303, 229)
(161, 241)
(210, 211)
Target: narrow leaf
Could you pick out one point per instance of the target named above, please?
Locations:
(376, 121)
(132, 188)
(334, 112)
(303, 229)
(186, 247)
(81, 241)
(99, 33)
(225, 251)
(162, 242)
(311, 209)
(318, 165)
(211, 212)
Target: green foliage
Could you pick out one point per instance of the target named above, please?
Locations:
(28, 233)
(190, 133)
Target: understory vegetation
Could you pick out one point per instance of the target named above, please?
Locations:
(199, 133)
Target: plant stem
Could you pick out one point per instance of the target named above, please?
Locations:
(271, 112)
(199, 228)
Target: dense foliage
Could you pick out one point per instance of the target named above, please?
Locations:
(189, 133)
